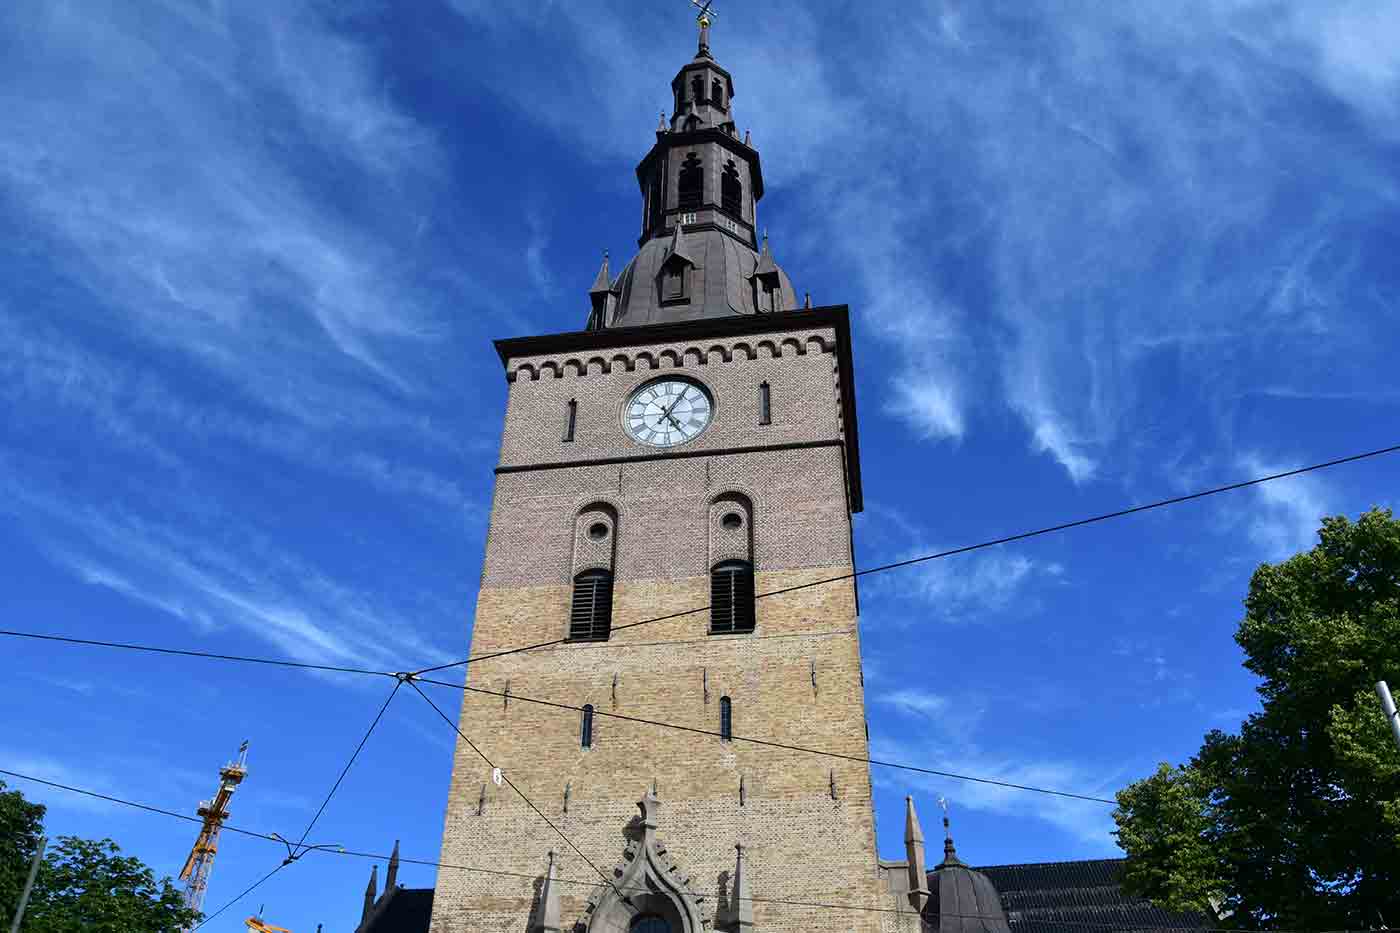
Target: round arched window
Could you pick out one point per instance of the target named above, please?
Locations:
(650, 923)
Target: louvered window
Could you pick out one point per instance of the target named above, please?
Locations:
(726, 719)
(690, 186)
(591, 616)
(731, 192)
(731, 597)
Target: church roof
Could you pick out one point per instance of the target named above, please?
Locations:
(1047, 897)
(401, 910)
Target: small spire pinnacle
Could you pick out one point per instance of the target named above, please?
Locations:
(742, 898)
(371, 890)
(704, 22)
(602, 282)
(914, 857)
(661, 124)
(950, 854)
(807, 302)
(392, 877)
(549, 900)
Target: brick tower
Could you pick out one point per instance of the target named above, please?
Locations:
(693, 446)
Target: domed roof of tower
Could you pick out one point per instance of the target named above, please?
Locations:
(961, 899)
(699, 255)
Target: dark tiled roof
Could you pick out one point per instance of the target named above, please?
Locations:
(1055, 897)
(406, 911)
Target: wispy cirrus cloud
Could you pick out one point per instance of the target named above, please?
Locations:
(1286, 513)
(933, 731)
(1040, 225)
(265, 592)
(965, 588)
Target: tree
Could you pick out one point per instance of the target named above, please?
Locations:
(84, 886)
(20, 825)
(1295, 821)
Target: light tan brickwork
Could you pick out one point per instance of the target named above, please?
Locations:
(805, 821)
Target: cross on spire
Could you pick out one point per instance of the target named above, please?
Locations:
(707, 13)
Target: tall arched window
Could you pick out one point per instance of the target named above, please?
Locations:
(649, 923)
(726, 719)
(731, 192)
(590, 617)
(585, 731)
(697, 89)
(716, 93)
(690, 187)
(731, 597)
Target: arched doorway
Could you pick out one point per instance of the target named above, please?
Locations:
(650, 923)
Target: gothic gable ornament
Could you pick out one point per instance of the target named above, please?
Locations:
(647, 883)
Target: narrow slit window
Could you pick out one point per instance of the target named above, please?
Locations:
(726, 719)
(570, 419)
(585, 735)
(590, 615)
(731, 598)
(765, 404)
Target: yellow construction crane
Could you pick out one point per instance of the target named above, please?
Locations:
(200, 862)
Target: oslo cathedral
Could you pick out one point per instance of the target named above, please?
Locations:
(694, 444)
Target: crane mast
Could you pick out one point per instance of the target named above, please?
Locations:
(200, 861)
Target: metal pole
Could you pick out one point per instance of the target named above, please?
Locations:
(1388, 705)
(28, 885)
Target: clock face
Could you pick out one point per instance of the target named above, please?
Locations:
(667, 412)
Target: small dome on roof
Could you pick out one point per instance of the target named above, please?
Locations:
(961, 899)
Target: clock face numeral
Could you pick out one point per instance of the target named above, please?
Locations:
(667, 412)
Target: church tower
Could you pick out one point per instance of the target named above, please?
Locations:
(693, 446)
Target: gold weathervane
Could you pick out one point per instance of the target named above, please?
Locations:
(706, 11)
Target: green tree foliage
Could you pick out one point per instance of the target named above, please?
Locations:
(1295, 821)
(20, 825)
(84, 886)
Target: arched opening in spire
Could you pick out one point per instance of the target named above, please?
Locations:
(731, 191)
(717, 93)
(697, 89)
(690, 186)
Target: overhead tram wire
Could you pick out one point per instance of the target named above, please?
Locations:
(185, 652)
(528, 802)
(778, 745)
(340, 669)
(273, 837)
(249, 890)
(133, 804)
(346, 770)
(1008, 539)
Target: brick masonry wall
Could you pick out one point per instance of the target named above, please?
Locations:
(802, 842)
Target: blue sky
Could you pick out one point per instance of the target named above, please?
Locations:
(254, 254)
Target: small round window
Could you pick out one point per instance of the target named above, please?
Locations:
(733, 521)
(597, 531)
